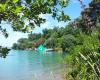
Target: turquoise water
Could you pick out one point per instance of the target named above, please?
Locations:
(30, 65)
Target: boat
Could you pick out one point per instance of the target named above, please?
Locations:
(50, 49)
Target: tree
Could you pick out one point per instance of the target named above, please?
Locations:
(17, 12)
(4, 51)
(50, 42)
(67, 42)
(15, 46)
(33, 37)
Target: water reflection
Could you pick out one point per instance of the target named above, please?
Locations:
(30, 65)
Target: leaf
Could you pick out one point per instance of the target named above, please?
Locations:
(17, 10)
(15, 1)
(50, 2)
(3, 7)
(28, 1)
(64, 3)
(49, 10)
(41, 1)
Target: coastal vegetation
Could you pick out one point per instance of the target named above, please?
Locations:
(51, 38)
(18, 12)
(80, 40)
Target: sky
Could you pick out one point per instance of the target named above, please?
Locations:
(73, 10)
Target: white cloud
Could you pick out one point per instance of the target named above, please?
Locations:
(13, 36)
(49, 24)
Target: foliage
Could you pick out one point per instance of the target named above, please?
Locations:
(50, 43)
(85, 58)
(18, 12)
(80, 39)
(23, 43)
(4, 50)
(51, 38)
(67, 41)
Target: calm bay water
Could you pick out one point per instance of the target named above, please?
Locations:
(30, 65)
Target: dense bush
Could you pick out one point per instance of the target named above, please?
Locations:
(81, 40)
(85, 58)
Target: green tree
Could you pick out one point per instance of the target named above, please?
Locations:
(34, 37)
(15, 46)
(67, 42)
(50, 42)
(17, 12)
